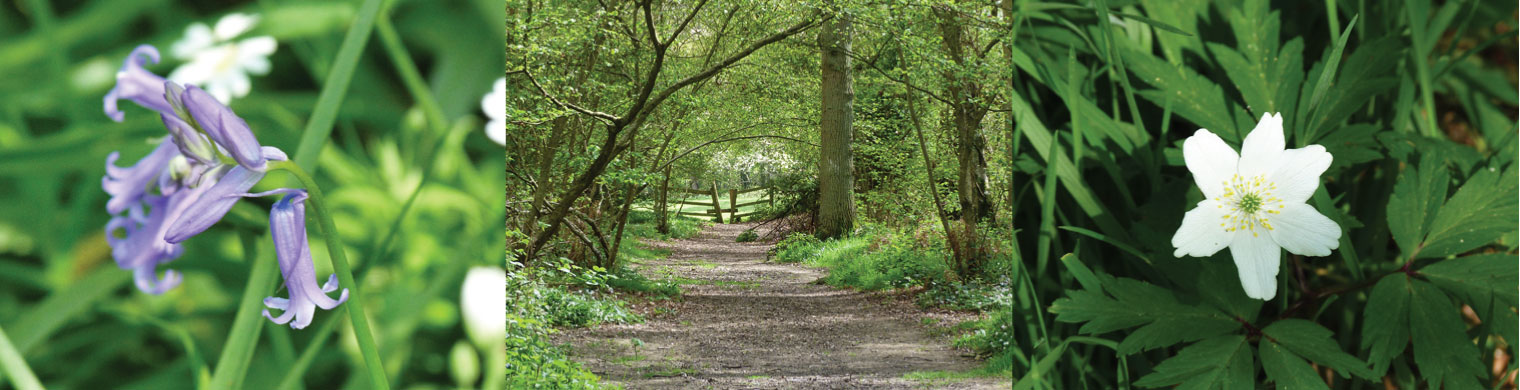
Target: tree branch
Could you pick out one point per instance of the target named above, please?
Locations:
(715, 68)
(689, 17)
(902, 81)
(597, 114)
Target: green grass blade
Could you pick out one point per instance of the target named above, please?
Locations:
(297, 370)
(15, 367)
(1327, 76)
(1347, 249)
(39, 323)
(237, 352)
(320, 126)
(1109, 240)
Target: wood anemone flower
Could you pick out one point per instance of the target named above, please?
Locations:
(1254, 203)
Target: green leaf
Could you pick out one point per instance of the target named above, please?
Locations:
(1288, 370)
(1373, 63)
(1222, 362)
(1484, 282)
(1416, 198)
(1444, 353)
(1477, 276)
(1481, 211)
(1386, 328)
(1313, 342)
(1192, 95)
(1128, 303)
(1154, 23)
(1326, 77)
(1250, 78)
(1080, 271)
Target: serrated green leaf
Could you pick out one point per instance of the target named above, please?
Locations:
(1222, 362)
(1386, 328)
(1477, 276)
(1126, 303)
(1481, 211)
(1250, 78)
(1416, 198)
(1373, 63)
(1188, 93)
(1313, 342)
(1286, 369)
(1442, 350)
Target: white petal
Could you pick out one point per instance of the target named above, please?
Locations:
(1202, 233)
(1260, 152)
(1211, 161)
(260, 46)
(1303, 230)
(495, 103)
(193, 72)
(1297, 173)
(197, 37)
(1256, 257)
(497, 131)
(234, 24)
(255, 65)
(237, 84)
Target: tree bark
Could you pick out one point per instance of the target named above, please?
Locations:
(836, 165)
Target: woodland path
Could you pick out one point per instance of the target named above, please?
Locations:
(747, 324)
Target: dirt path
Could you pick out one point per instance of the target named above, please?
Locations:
(747, 324)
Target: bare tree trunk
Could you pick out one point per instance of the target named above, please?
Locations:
(836, 165)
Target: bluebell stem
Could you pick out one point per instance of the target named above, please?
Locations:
(189, 182)
(287, 222)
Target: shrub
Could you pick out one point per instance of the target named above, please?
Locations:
(627, 280)
(991, 337)
(572, 309)
(747, 236)
(795, 248)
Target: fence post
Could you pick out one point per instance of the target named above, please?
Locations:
(717, 207)
(733, 205)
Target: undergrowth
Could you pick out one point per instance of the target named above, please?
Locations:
(876, 259)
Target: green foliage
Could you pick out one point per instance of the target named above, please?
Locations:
(748, 235)
(532, 360)
(1222, 361)
(626, 280)
(992, 336)
(573, 309)
(795, 248)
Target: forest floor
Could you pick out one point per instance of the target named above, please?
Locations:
(743, 323)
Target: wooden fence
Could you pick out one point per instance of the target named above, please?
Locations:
(715, 208)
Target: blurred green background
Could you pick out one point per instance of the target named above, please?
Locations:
(417, 197)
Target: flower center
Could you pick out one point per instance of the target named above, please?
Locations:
(1251, 203)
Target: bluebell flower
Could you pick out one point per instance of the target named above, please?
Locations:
(208, 162)
(287, 223)
(137, 84)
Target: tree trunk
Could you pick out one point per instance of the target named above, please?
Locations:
(662, 206)
(967, 111)
(836, 165)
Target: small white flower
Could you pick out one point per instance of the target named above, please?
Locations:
(495, 106)
(1255, 203)
(483, 303)
(218, 63)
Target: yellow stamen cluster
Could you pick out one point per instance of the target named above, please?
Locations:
(1250, 201)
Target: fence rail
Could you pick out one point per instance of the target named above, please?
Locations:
(715, 209)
